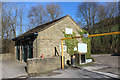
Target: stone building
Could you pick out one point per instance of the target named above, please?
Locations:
(44, 40)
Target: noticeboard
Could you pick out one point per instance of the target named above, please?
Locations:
(82, 47)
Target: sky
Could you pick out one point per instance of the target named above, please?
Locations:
(68, 8)
(60, 0)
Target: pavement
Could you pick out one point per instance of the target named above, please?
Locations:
(12, 68)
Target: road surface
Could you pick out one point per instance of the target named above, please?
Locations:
(71, 73)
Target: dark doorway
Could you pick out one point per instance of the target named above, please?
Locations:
(77, 58)
(25, 53)
(18, 52)
(82, 58)
(30, 49)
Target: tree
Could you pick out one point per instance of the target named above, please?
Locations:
(9, 20)
(54, 11)
(112, 9)
(86, 13)
(99, 18)
(38, 15)
(108, 11)
(90, 13)
(5, 21)
(21, 11)
(105, 12)
(12, 19)
(101, 13)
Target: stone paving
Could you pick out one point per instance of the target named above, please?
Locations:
(12, 69)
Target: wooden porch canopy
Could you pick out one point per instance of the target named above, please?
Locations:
(26, 37)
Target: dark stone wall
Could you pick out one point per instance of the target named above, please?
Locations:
(0, 46)
(8, 46)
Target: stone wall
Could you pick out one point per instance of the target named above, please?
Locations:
(40, 65)
(8, 56)
(50, 38)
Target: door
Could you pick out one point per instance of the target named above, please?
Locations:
(82, 58)
(25, 53)
(30, 49)
(18, 52)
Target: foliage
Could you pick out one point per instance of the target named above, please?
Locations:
(89, 13)
(105, 44)
(87, 41)
(71, 43)
(97, 19)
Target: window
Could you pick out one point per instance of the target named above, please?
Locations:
(64, 48)
(68, 30)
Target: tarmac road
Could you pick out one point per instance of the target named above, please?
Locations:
(11, 69)
(111, 71)
(111, 61)
(71, 73)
